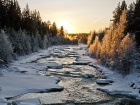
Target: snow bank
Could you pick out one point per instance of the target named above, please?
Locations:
(15, 84)
(121, 85)
(34, 101)
(21, 77)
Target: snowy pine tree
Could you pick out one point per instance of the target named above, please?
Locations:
(21, 43)
(127, 55)
(45, 42)
(94, 49)
(6, 50)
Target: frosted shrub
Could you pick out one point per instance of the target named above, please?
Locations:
(34, 44)
(45, 42)
(6, 50)
(21, 43)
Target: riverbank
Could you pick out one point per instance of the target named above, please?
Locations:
(63, 74)
(120, 85)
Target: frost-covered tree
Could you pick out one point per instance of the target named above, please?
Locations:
(118, 12)
(94, 49)
(127, 54)
(130, 18)
(34, 44)
(117, 49)
(118, 35)
(53, 29)
(91, 38)
(6, 50)
(62, 32)
(21, 43)
(106, 47)
(46, 43)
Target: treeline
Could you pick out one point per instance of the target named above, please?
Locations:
(24, 32)
(80, 37)
(117, 46)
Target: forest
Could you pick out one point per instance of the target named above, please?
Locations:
(43, 64)
(24, 32)
(118, 46)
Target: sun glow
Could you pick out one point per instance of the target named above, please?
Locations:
(67, 26)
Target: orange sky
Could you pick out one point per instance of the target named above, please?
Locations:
(75, 15)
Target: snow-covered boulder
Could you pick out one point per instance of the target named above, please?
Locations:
(53, 65)
(104, 81)
(96, 67)
(88, 75)
(119, 92)
(34, 101)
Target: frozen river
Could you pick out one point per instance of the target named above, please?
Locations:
(60, 75)
(77, 78)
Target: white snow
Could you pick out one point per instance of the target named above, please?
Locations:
(22, 75)
(34, 101)
(14, 84)
(3, 102)
(121, 83)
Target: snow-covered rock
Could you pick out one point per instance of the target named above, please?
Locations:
(96, 67)
(34, 101)
(53, 65)
(88, 75)
(104, 81)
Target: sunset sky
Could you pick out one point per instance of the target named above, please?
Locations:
(75, 15)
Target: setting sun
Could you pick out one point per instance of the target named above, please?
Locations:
(67, 26)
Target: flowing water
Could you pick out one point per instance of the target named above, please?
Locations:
(79, 82)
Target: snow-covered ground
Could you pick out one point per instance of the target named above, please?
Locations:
(123, 85)
(22, 76)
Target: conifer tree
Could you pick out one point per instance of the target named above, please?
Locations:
(94, 49)
(127, 53)
(91, 38)
(6, 50)
(61, 33)
(137, 16)
(118, 12)
(106, 47)
(3, 14)
(53, 29)
(14, 15)
(130, 18)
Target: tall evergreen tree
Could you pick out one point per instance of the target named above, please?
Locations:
(14, 15)
(133, 19)
(53, 29)
(130, 18)
(123, 5)
(137, 16)
(118, 12)
(3, 14)
(6, 50)
(61, 33)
